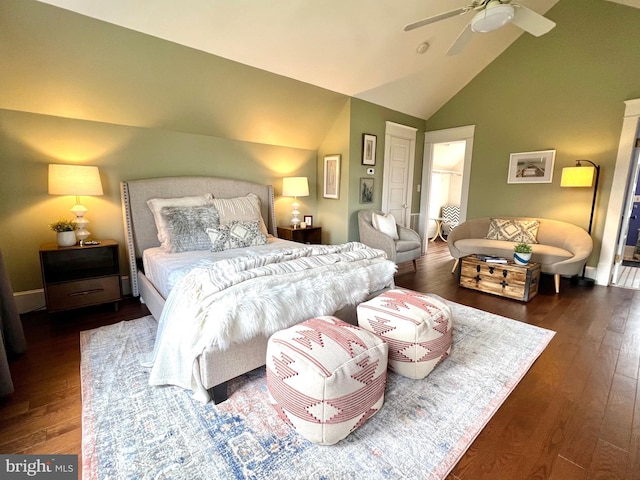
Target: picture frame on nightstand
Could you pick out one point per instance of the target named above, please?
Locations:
(308, 219)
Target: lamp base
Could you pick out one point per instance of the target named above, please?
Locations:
(580, 281)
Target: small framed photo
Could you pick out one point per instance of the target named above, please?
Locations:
(368, 149)
(331, 176)
(308, 219)
(366, 190)
(531, 167)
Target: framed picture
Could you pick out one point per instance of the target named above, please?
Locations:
(368, 149)
(531, 167)
(308, 219)
(366, 190)
(331, 176)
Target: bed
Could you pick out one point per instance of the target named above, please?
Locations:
(220, 361)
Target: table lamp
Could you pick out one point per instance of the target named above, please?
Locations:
(76, 180)
(583, 176)
(295, 187)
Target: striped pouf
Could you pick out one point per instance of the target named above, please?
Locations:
(326, 377)
(417, 327)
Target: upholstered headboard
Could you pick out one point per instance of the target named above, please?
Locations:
(139, 225)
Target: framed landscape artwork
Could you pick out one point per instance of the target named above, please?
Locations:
(531, 167)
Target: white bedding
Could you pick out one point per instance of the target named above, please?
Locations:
(164, 269)
(237, 299)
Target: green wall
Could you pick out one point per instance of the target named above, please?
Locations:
(563, 91)
(78, 90)
(369, 118)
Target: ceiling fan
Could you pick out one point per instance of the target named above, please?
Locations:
(490, 15)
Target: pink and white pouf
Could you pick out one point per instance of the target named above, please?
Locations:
(326, 377)
(417, 327)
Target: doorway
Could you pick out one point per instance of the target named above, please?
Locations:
(626, 269)
(445, 175)
(618, 210)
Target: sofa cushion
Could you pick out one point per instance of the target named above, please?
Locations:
(513, 230)
(542, 254)
(406, 245)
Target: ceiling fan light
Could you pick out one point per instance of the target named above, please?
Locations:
(493, 18)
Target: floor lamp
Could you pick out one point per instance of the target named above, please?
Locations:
(583, 176)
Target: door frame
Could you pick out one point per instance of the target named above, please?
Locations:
(456, 134)
(615, 207)
(398, 130)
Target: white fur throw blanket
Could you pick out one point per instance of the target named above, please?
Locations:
(237, 299)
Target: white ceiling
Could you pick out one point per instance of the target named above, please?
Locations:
(354, 47)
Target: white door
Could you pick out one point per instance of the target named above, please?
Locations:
(399, 153)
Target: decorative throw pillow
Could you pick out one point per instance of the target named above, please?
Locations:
(156, 204)
(242, 209)
(519, 231)
(236, 235)
(385, 224)
(186, 227)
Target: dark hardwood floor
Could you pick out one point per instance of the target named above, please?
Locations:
(575, 415)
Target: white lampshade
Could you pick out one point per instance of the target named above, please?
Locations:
(578, 176)
(74, 180)
(295, 187)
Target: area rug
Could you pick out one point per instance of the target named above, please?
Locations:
(132, 430)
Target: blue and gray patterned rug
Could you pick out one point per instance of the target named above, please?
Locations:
(132, 430)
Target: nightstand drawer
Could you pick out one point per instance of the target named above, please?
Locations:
(82, 293)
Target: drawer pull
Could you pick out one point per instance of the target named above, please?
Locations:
(86, 292)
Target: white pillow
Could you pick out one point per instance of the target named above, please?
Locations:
(385, 224)
(241, 209)
(156, 205)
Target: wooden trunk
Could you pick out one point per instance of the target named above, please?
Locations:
(519, 282)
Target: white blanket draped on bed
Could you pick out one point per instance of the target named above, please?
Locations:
(237, 299)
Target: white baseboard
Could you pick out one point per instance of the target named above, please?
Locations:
(32, 300)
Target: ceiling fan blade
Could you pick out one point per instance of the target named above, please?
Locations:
(436, 18)
(531, 22)
(461, 42)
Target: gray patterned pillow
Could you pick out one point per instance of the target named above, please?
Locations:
(519, 231)
(236, 234)
(187, 227)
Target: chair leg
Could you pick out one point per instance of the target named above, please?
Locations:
(556, 281)
(455, 265)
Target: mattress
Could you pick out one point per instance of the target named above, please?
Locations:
(164, 269)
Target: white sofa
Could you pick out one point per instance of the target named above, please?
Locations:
(562, 248)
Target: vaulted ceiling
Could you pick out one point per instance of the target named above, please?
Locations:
(355, 47)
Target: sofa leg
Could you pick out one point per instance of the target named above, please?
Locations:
(415, 265)
(455, 265)
(556, 281)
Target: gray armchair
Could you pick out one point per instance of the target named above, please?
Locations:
(407, 248)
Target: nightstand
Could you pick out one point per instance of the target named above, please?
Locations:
(80, 276)
(301, 235)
